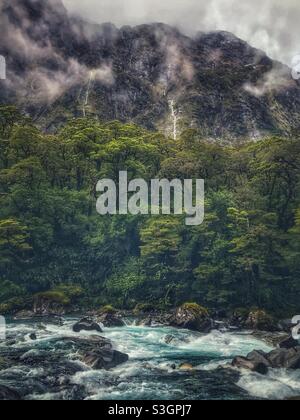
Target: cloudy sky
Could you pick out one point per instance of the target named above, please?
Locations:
(271, 25)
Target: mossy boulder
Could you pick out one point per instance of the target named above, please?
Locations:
(241, 313)
(239, 317)
(260, 320)
(15, 305)
(108, 316)
(194, 317)
(196, 309)
(72, 291)
(53, 302)
(57, 300)
(107, 309)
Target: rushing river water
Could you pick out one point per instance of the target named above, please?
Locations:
(47, 371)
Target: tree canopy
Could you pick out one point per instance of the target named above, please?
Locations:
(246, 253)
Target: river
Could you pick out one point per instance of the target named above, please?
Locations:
(47, 371)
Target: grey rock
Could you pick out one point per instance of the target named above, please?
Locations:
(288, 343)
(257, 356)
(86, 324)
(260, 320)
(285, 325)
(245, 363)
(110, 320)
(189, 319)
(258, 361)
(7, 394)
(169, 339)
(97, 352)
(104, 359)
(172, 340)
(145, 322)
(271, 338)
(285, 358)
(45, 307)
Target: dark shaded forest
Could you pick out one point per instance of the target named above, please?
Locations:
(53, 242)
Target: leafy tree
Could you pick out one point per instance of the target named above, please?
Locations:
(13, 241)
(246, 253)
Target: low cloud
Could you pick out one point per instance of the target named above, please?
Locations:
(45, 85)
(270, 25)
(48, 74)
(176, 63)
(277, 79)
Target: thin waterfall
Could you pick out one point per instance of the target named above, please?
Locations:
(174, 117)
(87, 95)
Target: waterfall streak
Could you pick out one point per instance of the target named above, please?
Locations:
(174, 117)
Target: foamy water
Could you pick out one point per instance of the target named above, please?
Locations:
(153, 370)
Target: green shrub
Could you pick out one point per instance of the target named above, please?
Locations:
(72, 291)
(54, 296)
(198, 310)
(261, 320)
(9, 290)
(14, 305)
(108, 309)
(62, 294)
(4, 308)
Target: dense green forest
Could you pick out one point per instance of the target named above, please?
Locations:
(246, 254)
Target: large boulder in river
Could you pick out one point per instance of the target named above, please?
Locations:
(288, 343)
(258, 361)
(285, 358)
(109, 317)
(193, 317)
(273, 339)
(110, 320)
(104, 359)
(244, 363)
(239, 317)
(285, 325)
(97, 352)
(261, 320)
(86, 324)
(50, 303)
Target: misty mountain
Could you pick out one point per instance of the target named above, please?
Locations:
(60, 66)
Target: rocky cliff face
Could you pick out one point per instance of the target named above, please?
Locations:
(60, 66)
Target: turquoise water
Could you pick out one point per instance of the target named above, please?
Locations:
(153, 371)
